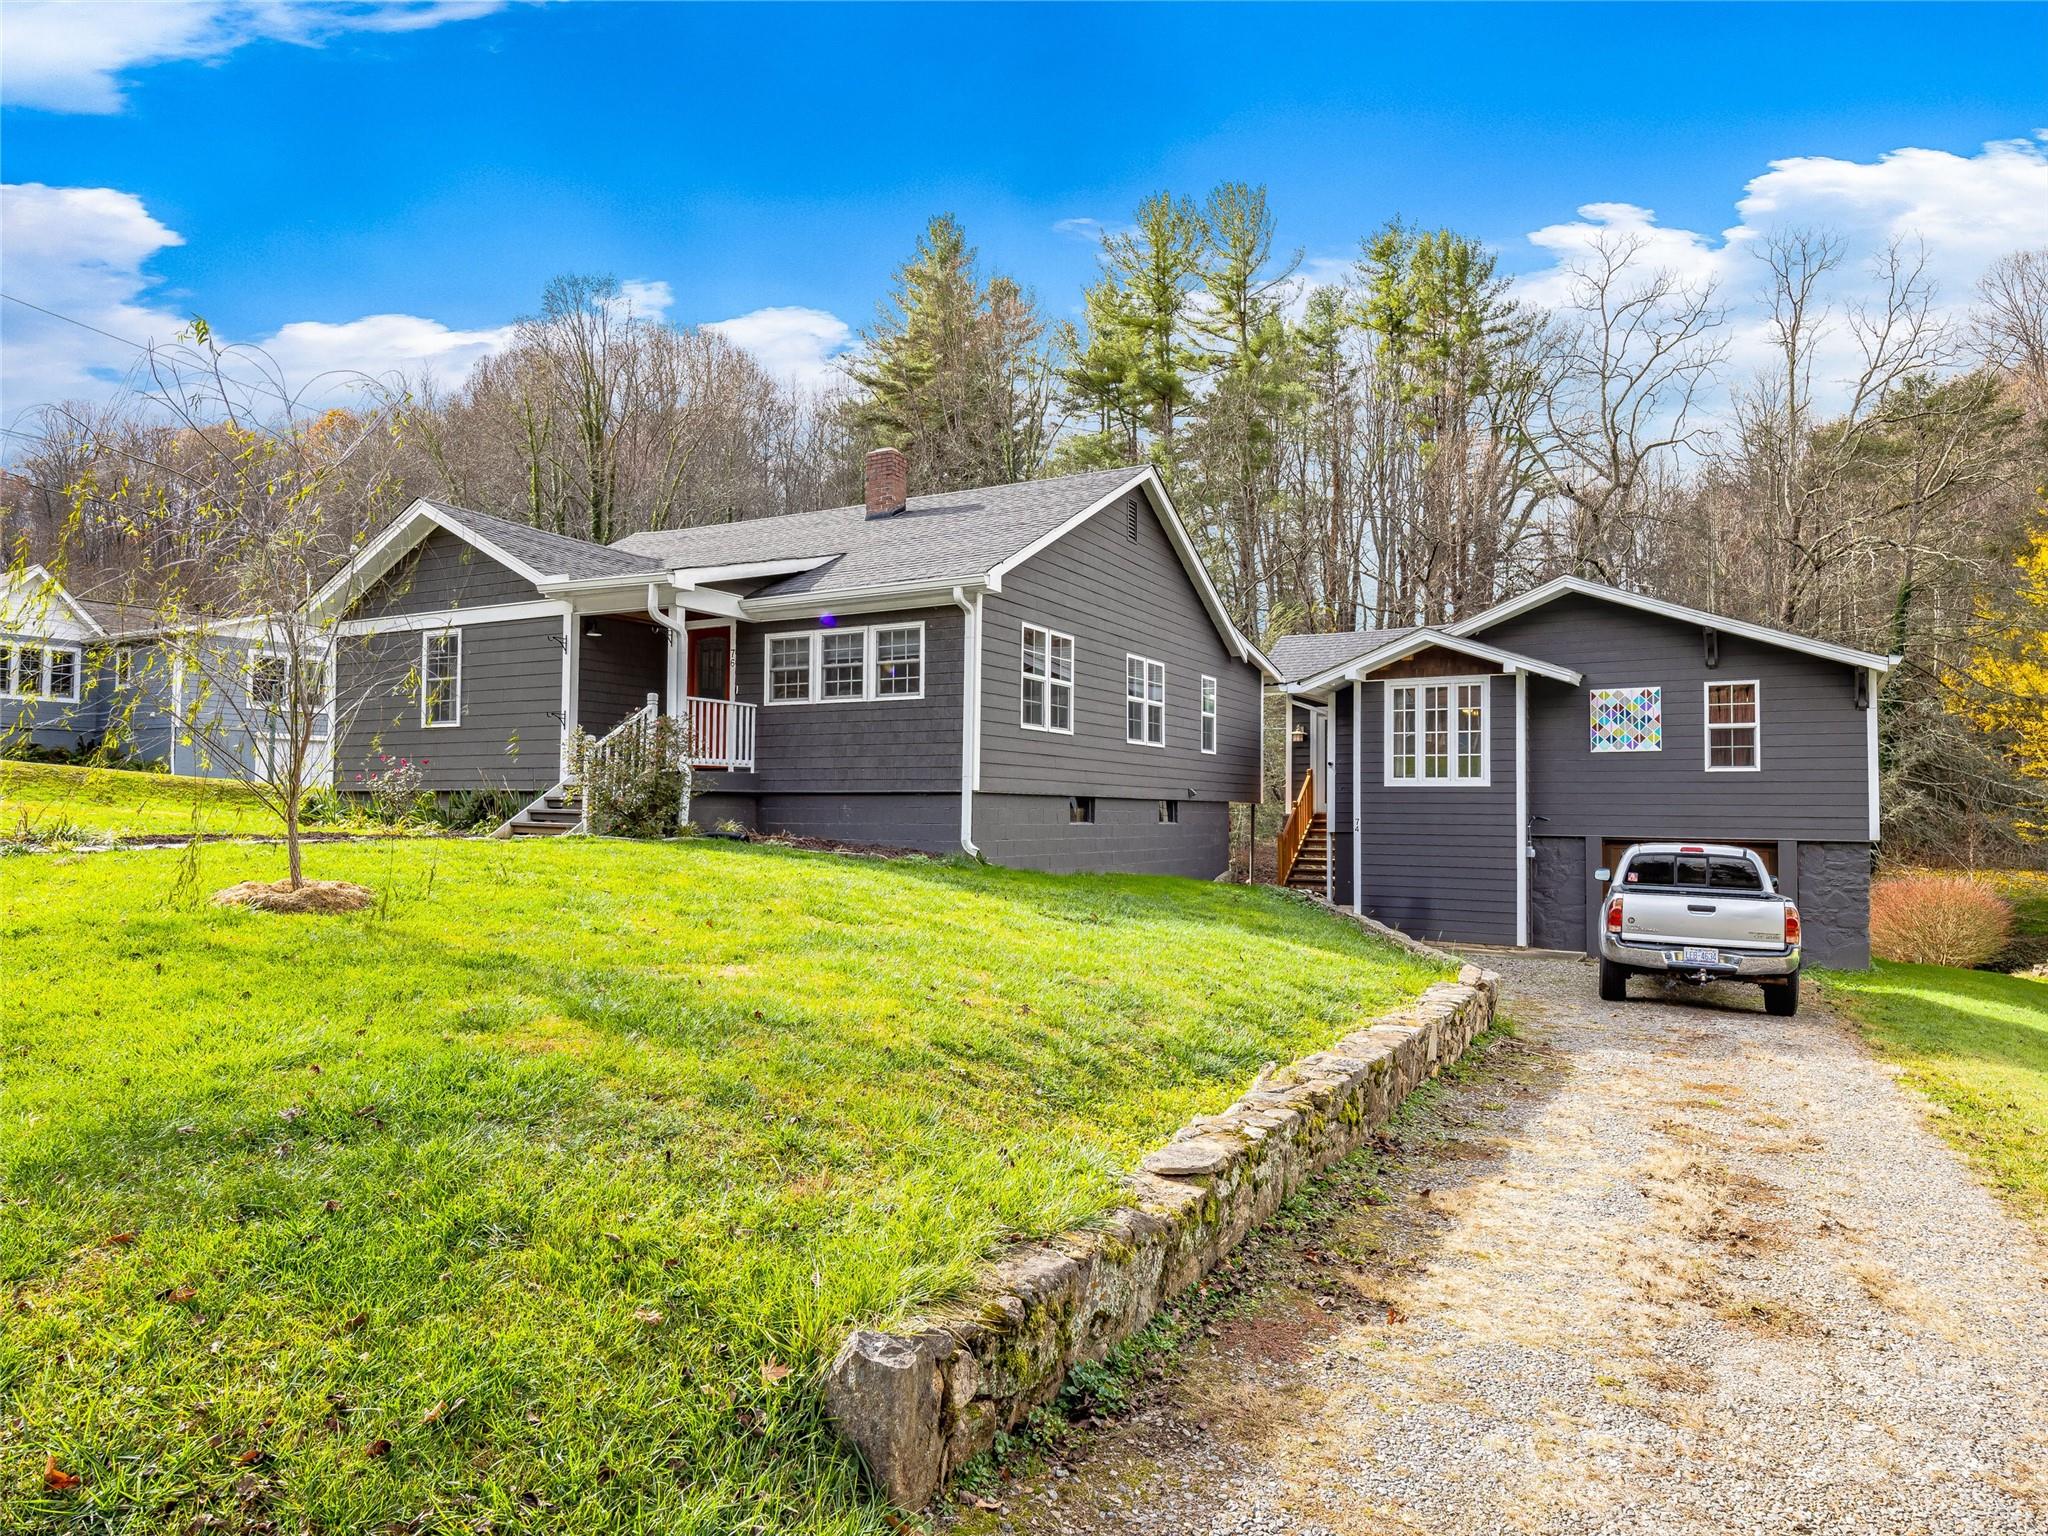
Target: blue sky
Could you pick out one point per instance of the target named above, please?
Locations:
(438, 165)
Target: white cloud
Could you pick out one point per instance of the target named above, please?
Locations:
(1091, 230)
(318, 358)
(649, 299)
(65, 56)
(1962, 211)
(793, 343)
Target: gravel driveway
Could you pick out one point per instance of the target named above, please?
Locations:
(1657, 1267)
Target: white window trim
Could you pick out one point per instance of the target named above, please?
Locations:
(1210, 728)
(1148, 663)
(815, 674)
(427, 637)
(124, 666)
(1485, 779)
(322, 723)
(46, 649)
(1707, 724)
(1025, 679)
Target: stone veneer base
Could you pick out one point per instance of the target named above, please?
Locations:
(920, 1400)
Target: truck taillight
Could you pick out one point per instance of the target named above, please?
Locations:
(1614, 915)
(1791, 923)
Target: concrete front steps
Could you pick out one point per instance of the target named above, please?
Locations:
(552, 815)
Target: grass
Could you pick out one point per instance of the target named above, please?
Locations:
(1976, 1043)
(54, 803)
(546, 1168)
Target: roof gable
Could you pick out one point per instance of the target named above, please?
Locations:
(1563, 586)
(31, 596)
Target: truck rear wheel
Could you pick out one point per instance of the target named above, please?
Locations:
(1783, 999)
(1613, 982)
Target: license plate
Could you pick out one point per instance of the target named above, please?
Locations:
(1692, 956)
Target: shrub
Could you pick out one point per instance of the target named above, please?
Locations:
(636, 783)
(393, 785)
(1938, 920)
(473, 810)
(322, 807)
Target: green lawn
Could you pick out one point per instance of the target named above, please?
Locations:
(61, 804)
(1976, 1043)
(586, 1141)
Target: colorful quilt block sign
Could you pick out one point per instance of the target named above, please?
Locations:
(1628, 719)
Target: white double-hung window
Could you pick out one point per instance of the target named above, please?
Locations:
(1208, 714)
(1144, 701)
(1734, 727)
(1436, 732)
(843, 664)
(1048, 680)
(441, 678)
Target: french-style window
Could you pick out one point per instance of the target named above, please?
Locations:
(843, 664)
(441, 678)
(789, 669)
(899, 661)
(1081, 809)
(40, 672)
(1208, 714)
(1048, 689)
(1734, 728)
(62, 678)
(1144, 701)
(1436, 732)
(267, 678)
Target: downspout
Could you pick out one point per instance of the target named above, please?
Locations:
(970, 691)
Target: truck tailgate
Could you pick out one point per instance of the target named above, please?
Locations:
(1703, 918)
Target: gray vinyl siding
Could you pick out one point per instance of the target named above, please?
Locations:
(1116, 596)
(1813, 784)
(510, 730)
(878, 746)
(1437, 863)
(442, 572)
(1127, 836)
(1342, 814)
(1559, 879)
(617, 669)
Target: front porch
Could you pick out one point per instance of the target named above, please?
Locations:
(625, 667)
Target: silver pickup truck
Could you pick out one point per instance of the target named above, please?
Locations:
(1698, 912)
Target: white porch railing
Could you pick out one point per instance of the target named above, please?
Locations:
(721, 733)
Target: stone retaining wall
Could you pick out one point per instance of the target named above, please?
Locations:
(921, 1399)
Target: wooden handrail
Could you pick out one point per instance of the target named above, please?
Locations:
(1294, 831)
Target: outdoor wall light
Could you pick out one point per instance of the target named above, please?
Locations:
(591, 630)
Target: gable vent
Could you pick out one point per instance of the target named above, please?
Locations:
(1131, 518)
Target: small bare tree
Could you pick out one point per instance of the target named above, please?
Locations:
(267, 497)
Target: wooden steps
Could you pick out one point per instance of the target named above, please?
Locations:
(550, 816)
(1310, 870)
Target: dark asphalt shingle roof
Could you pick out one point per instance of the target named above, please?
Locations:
(948, 536)
(552, 554)
(1298, 656)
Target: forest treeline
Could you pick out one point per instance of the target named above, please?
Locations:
(1863, 463)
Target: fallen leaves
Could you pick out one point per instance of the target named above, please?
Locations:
(178, 1294)
(378, 1448)
(56, 1479)
(773, 1371)
(435, 1414)
(119, 1239)
(652, 1317)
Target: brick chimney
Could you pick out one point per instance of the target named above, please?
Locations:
(888, 482)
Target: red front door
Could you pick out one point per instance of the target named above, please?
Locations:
(710, 677)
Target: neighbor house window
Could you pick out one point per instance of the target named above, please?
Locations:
(267, 675)
(843, 664)
(1208, 714)
(1081, 809)
(899, 661)
(1048, 680)
(1436, 732)
(124, 667)
(1169, 813)
(1144, 701)
(39, 672)
(1733, 728)
(441, 678)
(789, 669)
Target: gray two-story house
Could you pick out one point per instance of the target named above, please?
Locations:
(1466, 782)
(1042, 673)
